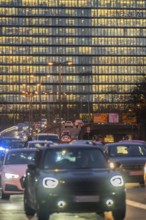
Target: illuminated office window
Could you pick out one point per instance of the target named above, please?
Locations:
(106, 38)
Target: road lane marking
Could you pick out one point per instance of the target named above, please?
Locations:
(136, 204)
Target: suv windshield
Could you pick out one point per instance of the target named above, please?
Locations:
(74, 159)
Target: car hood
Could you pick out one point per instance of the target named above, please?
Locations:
(15, 169)
(129, 160)
(100, 176)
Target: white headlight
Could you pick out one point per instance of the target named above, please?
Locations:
(11, 175)
(117, 181)
(50, 182)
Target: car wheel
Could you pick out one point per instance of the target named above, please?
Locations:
(28, 210)
(142, 183)
(43, 212)
(119, 214)
(5, 196)
(100, 213)
(145, 182)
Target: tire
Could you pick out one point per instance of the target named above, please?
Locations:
(43, 212)
(27, 209)
(5, 196)
(119, 214)
(142, 183)
(145, 182)
(100, 213)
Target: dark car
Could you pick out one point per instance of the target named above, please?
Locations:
(72, 178)
(129, 158)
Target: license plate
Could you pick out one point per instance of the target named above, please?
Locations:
(86, 198)
(136, 173)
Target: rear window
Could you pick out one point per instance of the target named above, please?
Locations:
(129, 150)
(47, 137)
(35, 145)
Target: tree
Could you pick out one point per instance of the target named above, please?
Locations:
(138, 98)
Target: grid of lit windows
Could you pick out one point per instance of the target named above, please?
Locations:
(104, 39)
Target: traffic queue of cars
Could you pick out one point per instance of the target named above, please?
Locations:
(79, 176)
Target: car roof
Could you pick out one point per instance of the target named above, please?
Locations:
(136, 141)
(9, 138)
(20, 150)
(39, 141)
(47, 134)
(17, 141)
(70, 146)
(84, 141)
(124, 143)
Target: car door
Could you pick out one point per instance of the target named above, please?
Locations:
(31, 175)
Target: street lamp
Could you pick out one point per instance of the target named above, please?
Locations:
(40, 97)
(60, 64)
(30, 94)
(65, 98)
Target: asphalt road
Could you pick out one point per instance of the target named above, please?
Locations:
(136, 208)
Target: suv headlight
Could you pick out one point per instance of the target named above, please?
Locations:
(50, 182)
(117, 181)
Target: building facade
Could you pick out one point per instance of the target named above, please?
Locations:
(104, 39)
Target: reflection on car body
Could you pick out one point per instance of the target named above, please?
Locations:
(129, 158)
(72, 178)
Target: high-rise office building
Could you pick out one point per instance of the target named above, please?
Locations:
(104, 39)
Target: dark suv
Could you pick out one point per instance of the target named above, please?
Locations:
(72, 178)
